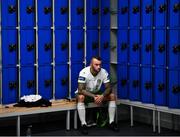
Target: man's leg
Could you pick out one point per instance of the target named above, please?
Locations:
(112, 108)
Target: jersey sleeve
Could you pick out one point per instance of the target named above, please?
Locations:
(82, 77)
(106, 77)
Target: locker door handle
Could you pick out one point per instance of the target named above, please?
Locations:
(29, 9)
(176, 7)
(30, 83)
(64, 81)
(106, 45)
(162, 8)
(47, 46)
(80, 10)
(64, 10)
(124, 46)
(95, 45)
(135, 83)
(95, 11)
(11, 9)
(124, 10)
(80, 45)
(148, 47)
(105, 10)
(176, 49)
(161, 86)
(47, 83)
(161, 48)
(149, 9)
(175, 89)
(12, 47)
(148, 85)
(47, 10)
(135, 47)
(12, 85)
(30, 47)
(64, 46)
(123, 82)
(136, 9)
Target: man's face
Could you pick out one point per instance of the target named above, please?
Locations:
(96, 65)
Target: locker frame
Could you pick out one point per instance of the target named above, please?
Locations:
(0, 56)
(53, 50)
(69, 60)
(36, 54)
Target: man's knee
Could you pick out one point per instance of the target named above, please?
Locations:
(80, 98)
(112, 97)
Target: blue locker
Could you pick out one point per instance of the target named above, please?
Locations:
(92, 44)
(134, 13)
(105, 14)
(106, 66)
(174, 48)
(77, 14)
(160, 48)
(9, 85)
(45, 81)
(160, 13)
(62, 82)
(147, 13)
(75, 69)
(146, 85)
(147, 47)
(28, 81)
(45, 47)
(123, 13)
(61, 46)
(122, 82)
(61, 13)
(77, 45)
(27, 13)
(134, 83)
(105, 45)
(44, 13)
(123, 46)
(28, 46)
(160, 85)
(92, 20)
(9, 13)
(134, 55)
(174, 19)
(9, 47)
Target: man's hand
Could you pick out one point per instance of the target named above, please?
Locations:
(98, 99)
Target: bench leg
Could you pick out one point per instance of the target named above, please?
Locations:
(68, 120)
(131, 113)
(159, 124)
(75, 119)
(154, 121)
(18, 126)
(116, 115)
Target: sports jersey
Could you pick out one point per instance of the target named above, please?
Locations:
(93, 83)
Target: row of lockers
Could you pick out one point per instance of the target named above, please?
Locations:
(149, 85)
(44, 74)
(45, 46)
(158, 47)
(149, 13)
(45, 13)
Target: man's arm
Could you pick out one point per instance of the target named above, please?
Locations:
(82, 90)
(108, 89)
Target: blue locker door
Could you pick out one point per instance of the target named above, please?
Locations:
(106, 66)
(27, 47)
(92, 44)
(174, 42)
(160, 13)
(174, 13)
(105, 14)
(9, 13)
(77, 47)
(45, 81)
(9, 47)
(62, 82)
(75, 69)
(134, 13)
(147, 47)
(134, 47)
(61, 46)
(146, 85)
(160, 48)
(77, 13)
(45, 47)
(123, 46)
(147, 13)
(44, 13)
(61, 13)
(27, 13)
(174, 86)
(28, 83)
(105, 45)
(134, 86)
(9, 85)
(122, 82)
(92, 20)
(160, 86)
(123, 13)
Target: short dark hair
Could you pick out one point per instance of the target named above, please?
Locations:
(97, 57)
